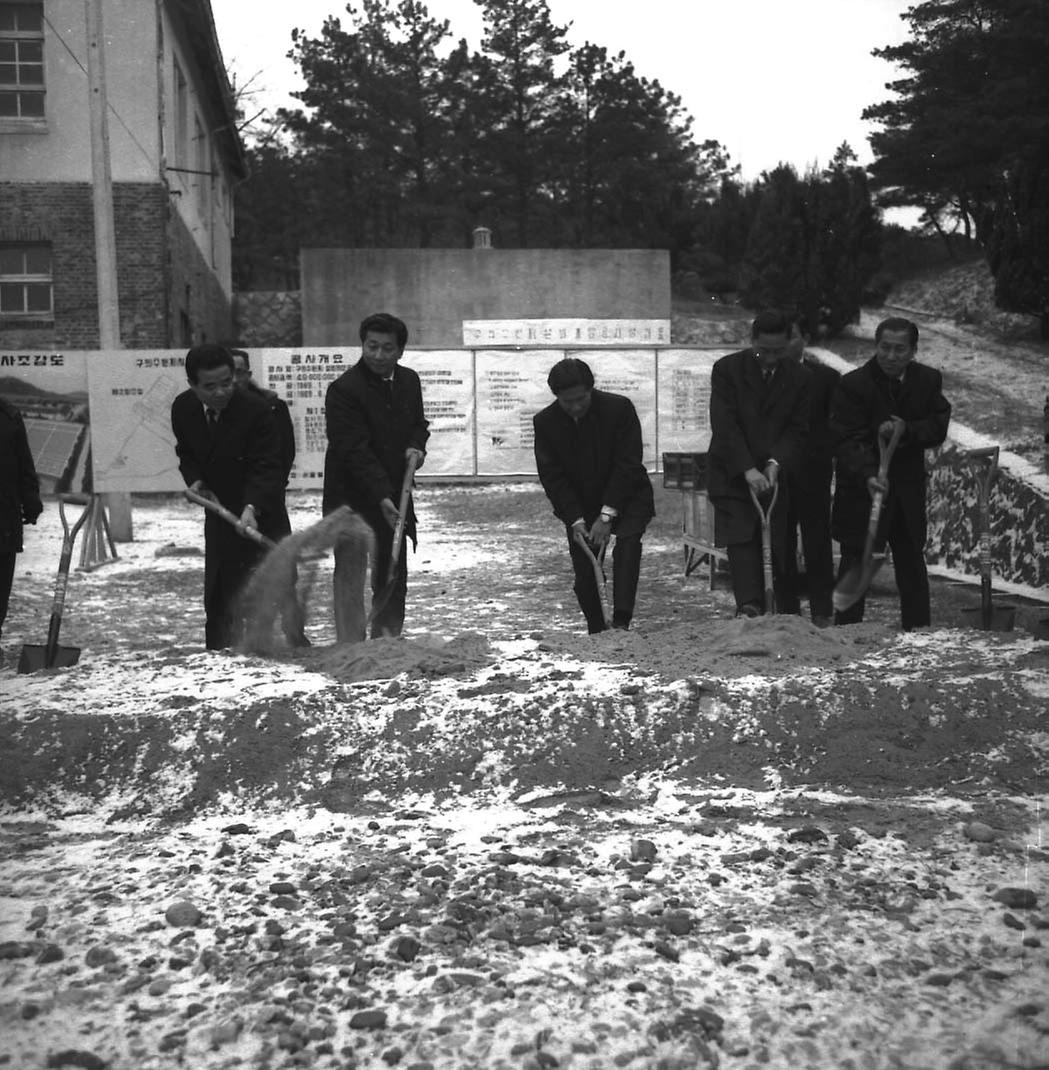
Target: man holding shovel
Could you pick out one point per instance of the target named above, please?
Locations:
(884, 416)
(588, 453)
(228, 451)
(759, 412)
(377, 435)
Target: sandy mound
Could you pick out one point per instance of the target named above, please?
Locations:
(771, 645)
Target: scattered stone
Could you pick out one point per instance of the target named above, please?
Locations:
(1016, 898)
(940, 980)
(49, 953)
(807, 834)
(373, 1019)
(664, 950)
(406, 948)
(677, 923)
(183, 915)
(16, 949)
(99, 956)
(283, 888)
(238, 829)
(978, 832)
(1012, 922)
(86, 1060)
(37, 918)
(643, 851)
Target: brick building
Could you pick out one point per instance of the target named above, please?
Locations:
(175, 157)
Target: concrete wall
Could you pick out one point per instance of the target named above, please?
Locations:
(434, 290)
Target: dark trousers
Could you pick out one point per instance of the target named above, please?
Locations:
(912, 577)
(810, 515)
(626, 573)
(746, 565)
(348, 586)
(228, 562)
(7, 579)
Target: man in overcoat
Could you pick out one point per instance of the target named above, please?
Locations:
(376, 424)
(892, 387)
(19, 497)
(228, 449)
(759, 409)
(588, 452)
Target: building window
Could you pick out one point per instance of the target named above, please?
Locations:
(25, 282)
(21, 61)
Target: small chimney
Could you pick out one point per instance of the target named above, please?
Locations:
(482, 238)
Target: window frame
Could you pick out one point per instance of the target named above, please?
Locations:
(21, 90)
(26, 279)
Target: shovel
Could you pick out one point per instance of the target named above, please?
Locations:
(766, 544)
(598, 564)
(853, 585)
(987, 459)
(230, 517)
(382, 597)
(51, 655)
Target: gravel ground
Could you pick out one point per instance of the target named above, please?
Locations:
(501, 843)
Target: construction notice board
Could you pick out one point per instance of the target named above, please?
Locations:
(111, 410)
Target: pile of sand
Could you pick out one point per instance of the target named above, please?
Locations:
(733, 647)
(383, 659)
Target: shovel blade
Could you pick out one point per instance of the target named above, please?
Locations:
(854, 584)
(34, 658)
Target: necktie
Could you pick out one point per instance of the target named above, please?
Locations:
(387, 386)
(213, 422)
(766, 375)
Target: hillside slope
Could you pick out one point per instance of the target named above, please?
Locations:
(965, 294)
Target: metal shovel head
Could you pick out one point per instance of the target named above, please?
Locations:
(853, 585)
(34, 657)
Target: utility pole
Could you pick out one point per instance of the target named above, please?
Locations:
(105, 231)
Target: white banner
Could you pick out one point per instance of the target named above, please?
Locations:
(566, 332)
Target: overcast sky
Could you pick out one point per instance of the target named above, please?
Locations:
(772, 80)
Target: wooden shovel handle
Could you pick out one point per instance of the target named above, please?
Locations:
(231, 518)
(402, 514)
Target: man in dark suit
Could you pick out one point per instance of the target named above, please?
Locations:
(589, 456)
(228, 450)
(376, 424)
(890, 388)
(810, 485)
(19, 497)
(759, 411)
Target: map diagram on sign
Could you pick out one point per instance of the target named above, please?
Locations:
(131, 394)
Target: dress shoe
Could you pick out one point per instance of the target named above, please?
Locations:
(749, 609)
